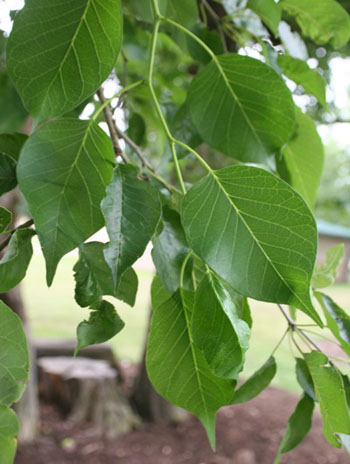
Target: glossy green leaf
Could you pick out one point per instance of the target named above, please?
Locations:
(322, 20)
(241, 107)
(298, 426)
(338, 321)
(176, 367)
(304, 156)
(255, 232)
(269, 12)
(103, 324)
(299, 71)
(218, 332)
(14, 360)
(132, 210)
(9, 427)
(14, 263)
(304, 378)
(257, 383)
(5, 218)
(60, 53)
(63, 171)
(170, 249)
(94, 278)
(329, 388)
(325, 273)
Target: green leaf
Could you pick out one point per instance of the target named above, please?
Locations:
(8, 180)
(62, 172)
(14, 362)
(11, 144)
(137, 128)
(329, 388)
(218, 332)
(210, 37)
(103, 324)
(176, 367)
(269, 12)
(304, 378)
(5, 218)
(184, 12)
(9, 427)
(256, 383)
(58, 54)
(304, 156)
(255, 232)
(14, 263)
(298, 71)
(298, 426)
(169, 250)
(325, 274)
(94, 278)
(337, 319)
(12, 114)
(241, 107)
(322, 20)
(132, 210)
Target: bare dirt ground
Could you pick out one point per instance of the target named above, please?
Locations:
(246, 434)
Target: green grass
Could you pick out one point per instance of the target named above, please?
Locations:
(53, 313)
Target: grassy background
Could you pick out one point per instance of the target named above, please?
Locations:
(53, 313)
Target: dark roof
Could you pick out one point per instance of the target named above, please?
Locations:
(333, 230)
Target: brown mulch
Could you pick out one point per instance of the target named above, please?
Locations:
(247, 434)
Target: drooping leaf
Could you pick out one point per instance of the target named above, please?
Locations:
(255, 232)
(298, 426)
(60, 53)
(241, 107)
(269, 12)
(176, 367)
(170, 249)
(62, 172)
(322, 20)
(325, 274)
(329, 388)
(338, 321)
(299, 71)
(14, 263)
(304, 156)
(257, 383)
(11, 144)
(304, 378)
(5, 218)
(94, 278)
(132, 210)
(9, 427)
(14, 360)
(103, 324)
(218, 332)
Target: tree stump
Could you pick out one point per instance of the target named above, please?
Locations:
(86, 390)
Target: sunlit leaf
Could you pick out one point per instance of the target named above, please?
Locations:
(59, 53)
(255, 232)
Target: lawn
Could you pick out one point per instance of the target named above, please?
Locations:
(53, 313)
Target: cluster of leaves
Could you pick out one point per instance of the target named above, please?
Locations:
(241, 231)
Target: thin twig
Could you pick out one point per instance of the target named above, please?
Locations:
(216, 19)
(111, 126)
(134, 147)
(7, 239)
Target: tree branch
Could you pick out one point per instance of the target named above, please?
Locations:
(22, 226)
(111, 126)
